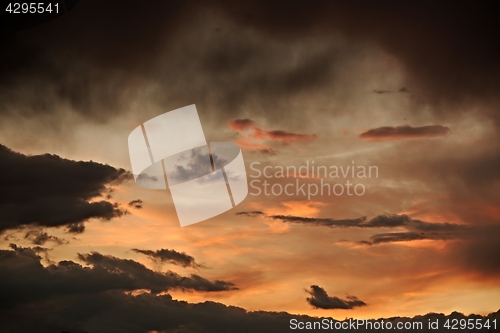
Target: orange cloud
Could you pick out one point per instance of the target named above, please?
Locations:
(241, 124)
(255, 136)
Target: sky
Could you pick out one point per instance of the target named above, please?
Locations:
(396, 100)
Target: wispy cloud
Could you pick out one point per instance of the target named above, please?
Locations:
(404, 132)
(254, 138)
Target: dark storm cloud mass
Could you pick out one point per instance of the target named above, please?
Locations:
(47, 190)
(25, 279)
(147, 279)
(403, 132)
(320, 300)
(170, 256)
(449, 51)
(72, 298)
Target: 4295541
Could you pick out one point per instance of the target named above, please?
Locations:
(32, 8)
(462, 324)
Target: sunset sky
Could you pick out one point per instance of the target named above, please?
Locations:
(408, 88)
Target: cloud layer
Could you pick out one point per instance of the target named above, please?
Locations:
(73, 298)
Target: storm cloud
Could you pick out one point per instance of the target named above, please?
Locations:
(320, 299)
(25, 279)
(73, 298)
(50, 191)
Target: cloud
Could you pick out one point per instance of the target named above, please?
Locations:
(476, 246)
(253, 137)
(39, 237)
(396, 237)
(402, 90)
(170, 256)
(404, 132)
(73, 298)
(379, 221)
(137, 203)
(250, 56)
(320, 300)
(416, 229)
(257, 133)
(283, 136)
(327, 222)
(25, 279)
(253, 213)
(242, 124)
(458, 47)
(50, 191)
(143, 278)
(191, 165)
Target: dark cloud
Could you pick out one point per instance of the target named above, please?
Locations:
(170, 256)
(94, 66)
(71, 59)
(478, 251)
(417, 229)
(402, 90)
(72, 298)
(25, 279)
(380, 92)
(47, 190)
(477, 248)
(404, 132)
(253, 213)
(449, 57)
(379, 221)
(256, 54)
(320, 300)
(396, 237)
(39, 237)
(327, 222)
(147, 279)
(137, 203)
